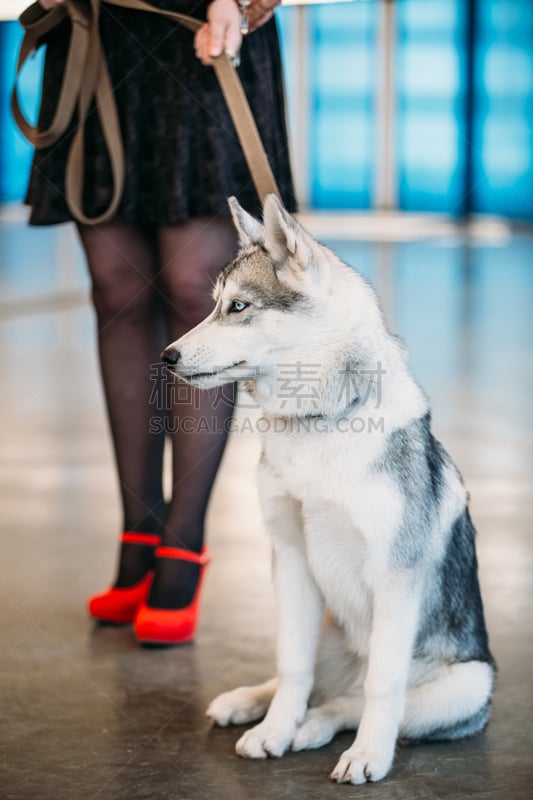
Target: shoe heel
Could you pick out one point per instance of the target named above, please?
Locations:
(176, 626)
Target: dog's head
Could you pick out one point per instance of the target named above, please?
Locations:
(283, 304)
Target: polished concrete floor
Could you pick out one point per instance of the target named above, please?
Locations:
(87, 713)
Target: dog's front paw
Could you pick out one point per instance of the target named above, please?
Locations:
(358, 765)
(262, 741)
(237, 707)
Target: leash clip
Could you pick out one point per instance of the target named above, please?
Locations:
(245, 25)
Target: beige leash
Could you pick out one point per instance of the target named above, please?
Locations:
(86, 77)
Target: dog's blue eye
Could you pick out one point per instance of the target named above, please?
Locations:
(236, 306)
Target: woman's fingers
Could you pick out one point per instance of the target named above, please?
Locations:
(233, 37)
(201, 44)
(48, 4)
(221, 33)
(217, 33)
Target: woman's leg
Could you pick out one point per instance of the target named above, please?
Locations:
(191, 255)
(131, 332)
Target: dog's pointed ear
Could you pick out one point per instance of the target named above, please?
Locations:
(291, 246)
(281, 230)
(250, 230)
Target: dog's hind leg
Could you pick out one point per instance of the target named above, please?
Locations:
(322, 723)
(453, 704)
(245, 704)
(336, 703)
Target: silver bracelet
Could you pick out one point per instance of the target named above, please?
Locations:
(243, 5)
(234, 58)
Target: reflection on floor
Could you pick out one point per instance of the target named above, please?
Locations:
(86, 712)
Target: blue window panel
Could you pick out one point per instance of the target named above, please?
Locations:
(337, 181)
(425, 82)
(503, 145)
(507, 74)
(430, 101)
(342, 127)
(354, 21)
(421, 16)
(428, 179)
(341, 69)
(15, 152)
(509, 17)
(504, 152)
(286, 19)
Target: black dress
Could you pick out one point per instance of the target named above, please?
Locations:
(183, 158)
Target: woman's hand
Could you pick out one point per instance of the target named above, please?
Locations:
(48, 4)
(222, 31)
(260, 11)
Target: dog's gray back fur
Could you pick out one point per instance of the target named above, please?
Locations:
(454, 625)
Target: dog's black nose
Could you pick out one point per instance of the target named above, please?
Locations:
(170, 356)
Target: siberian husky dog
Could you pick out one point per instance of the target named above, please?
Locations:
(380, 619)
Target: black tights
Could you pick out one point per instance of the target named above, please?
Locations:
(151, 285)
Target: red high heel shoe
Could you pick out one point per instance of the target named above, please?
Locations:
(119, 605)
(176, 626)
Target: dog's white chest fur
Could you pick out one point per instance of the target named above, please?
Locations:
(344, 527)
(341, 572)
